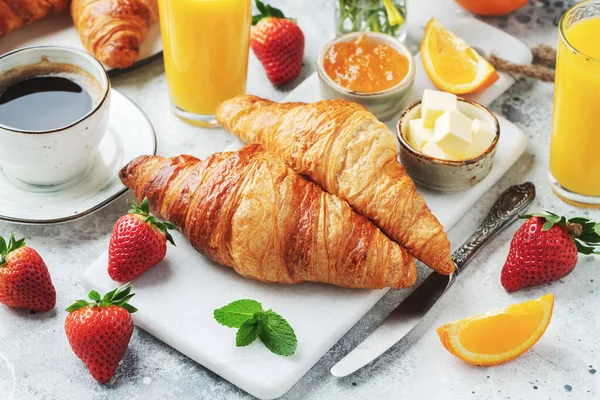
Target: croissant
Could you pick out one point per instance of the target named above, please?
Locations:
(16, 13)
(249, 210)
(113, 30)
(349, 153)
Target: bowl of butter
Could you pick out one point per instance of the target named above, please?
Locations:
(447, 143)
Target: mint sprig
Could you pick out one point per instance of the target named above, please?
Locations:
(584, 232)
(253, 322)
(233, 315)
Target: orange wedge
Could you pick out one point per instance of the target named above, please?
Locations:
(451, 64)
(500, 335)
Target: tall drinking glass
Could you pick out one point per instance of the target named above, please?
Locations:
(575, 146)
(205, 46)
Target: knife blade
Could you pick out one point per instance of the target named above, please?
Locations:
(407, 315)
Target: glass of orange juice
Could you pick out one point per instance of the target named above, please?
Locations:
(575, 146)
(205, 46)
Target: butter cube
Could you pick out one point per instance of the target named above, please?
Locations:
(483, 136)
(453, 133)
(418, 135)
(433, 150)
(434, 104)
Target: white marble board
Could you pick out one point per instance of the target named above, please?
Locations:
(176, 299)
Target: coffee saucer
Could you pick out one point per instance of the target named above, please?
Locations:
(129, 134)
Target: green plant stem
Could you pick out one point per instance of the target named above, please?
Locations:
(366, 15)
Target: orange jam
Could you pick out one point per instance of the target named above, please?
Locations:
(363, 66)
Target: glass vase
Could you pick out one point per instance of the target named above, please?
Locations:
(386, 16)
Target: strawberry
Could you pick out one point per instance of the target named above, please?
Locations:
(138, 242)
(24, 278)
(278, 43)
(99, 332)
(545, 247)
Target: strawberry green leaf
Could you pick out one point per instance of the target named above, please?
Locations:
(144, 211)
(234, 314)
(131, 309)
(108, 297)
(145, 206)
(256, 18)
(261, 7)
(77, 305)
(277, 334)
(547, 225)
(266, 11)
(134, 208)
(2, 245)
(274, 12)
(583, 249)
(94, 296)
(6, 249)
(118, 297)
(589, 237)
(579, 220)
(247, 333)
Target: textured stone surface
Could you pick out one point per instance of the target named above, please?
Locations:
(36, 362)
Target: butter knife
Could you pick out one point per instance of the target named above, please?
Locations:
(407, 315)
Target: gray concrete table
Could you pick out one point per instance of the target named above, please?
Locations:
(37, 363)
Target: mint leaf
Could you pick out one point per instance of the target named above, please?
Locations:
(277, 335)
(233, 315)
(247, 333)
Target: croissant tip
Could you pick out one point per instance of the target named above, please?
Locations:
(130, 168)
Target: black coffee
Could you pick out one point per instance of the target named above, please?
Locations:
(46, 97)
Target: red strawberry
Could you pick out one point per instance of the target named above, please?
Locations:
(99, 332)
(544, 249)
(278, 44)
(138, 242)
(24, 278)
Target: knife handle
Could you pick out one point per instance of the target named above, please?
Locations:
(507, 208)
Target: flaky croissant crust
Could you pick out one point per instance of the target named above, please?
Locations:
(16, 13)
(249, 210)
(113, 30)
(349, 153)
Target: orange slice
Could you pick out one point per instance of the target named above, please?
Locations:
(500, 335)
(453, 65)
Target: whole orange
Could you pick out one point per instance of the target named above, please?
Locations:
(491, 7)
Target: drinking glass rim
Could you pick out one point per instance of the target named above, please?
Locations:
(563, 36)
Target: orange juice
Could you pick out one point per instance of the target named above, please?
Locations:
(205, 45)
(574, 153)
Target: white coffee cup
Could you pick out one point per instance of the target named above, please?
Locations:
(55, 156)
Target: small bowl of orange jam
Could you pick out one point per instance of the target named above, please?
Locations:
(369, 68)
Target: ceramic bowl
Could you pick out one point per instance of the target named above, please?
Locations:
(445, 175)
(385, 104)
(55, 156)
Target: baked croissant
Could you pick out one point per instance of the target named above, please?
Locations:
(113, 30)
(16, 13)
(249, 210)
(349, 153)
